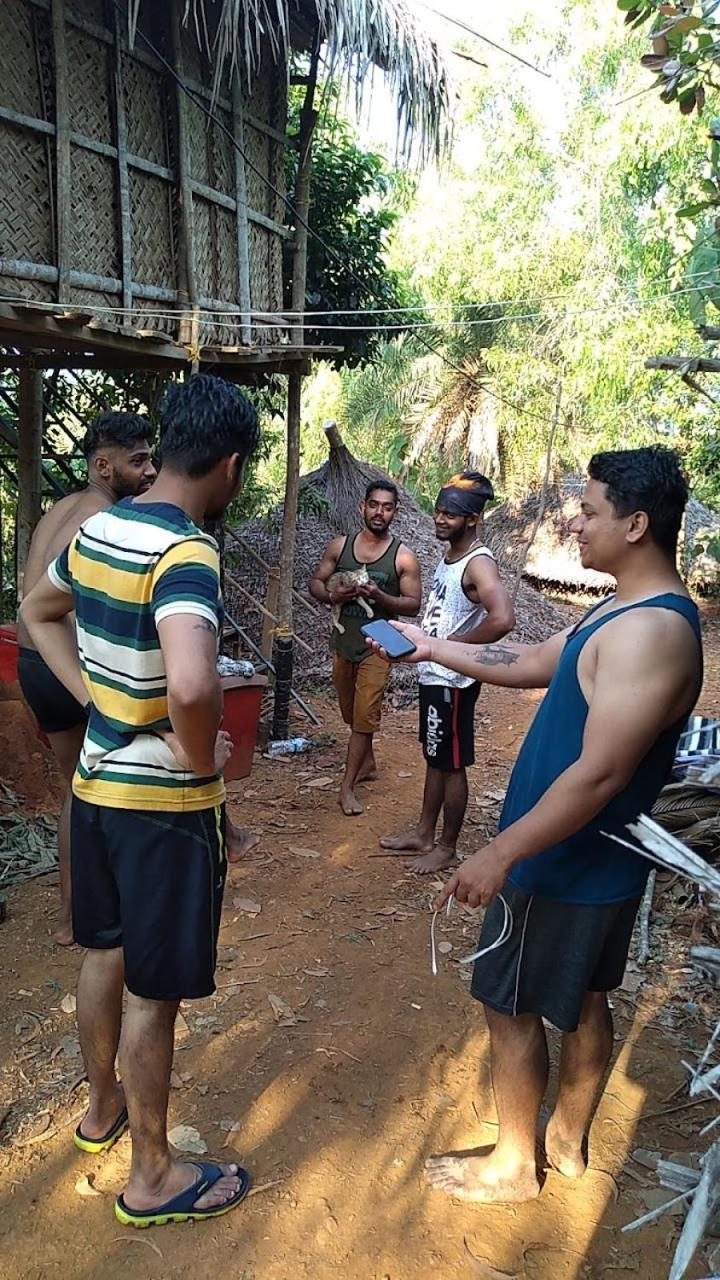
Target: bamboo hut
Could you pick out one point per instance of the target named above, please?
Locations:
(143, 208)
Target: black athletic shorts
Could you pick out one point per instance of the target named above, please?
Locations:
(53, 706)
(556, 952)
(447, 725)
(151, 883)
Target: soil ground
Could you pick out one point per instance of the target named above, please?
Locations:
(365, 1066)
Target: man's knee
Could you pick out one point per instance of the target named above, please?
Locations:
(507, 1026)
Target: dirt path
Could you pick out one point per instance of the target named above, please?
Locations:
(367, 1066)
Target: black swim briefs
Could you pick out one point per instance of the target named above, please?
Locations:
(53, 706)
(151, 883)
(555, 953)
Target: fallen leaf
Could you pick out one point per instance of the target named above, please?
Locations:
(42, 1124)
(316, 973)
(70, 1047)
(138, 1240)
(68, 1004)
(247, 904)
(84, 1186)
(445, 948)
(320, 782)
(484, 1269)
(184, 1138)
(303, 853)
(404, 775)
(282, 1012)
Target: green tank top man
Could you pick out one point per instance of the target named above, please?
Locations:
(350, 644)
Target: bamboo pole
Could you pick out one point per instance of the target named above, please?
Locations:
(187, 285)
(254, 555)
(283, 641)
(123, 176)
(30, 429)
(62, 149)
(544, 494)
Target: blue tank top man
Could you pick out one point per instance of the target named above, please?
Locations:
(562, 896)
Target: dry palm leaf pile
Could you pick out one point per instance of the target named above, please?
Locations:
(329, 500)
(689, 806)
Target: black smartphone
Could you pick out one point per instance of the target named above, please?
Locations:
(393, 642)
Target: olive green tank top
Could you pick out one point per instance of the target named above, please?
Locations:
(351, 645)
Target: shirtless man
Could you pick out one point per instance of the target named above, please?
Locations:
(119, 462)
(394, 590)
(621, 684)
(467, 603)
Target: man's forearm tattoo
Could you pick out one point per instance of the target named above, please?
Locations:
(495, 655)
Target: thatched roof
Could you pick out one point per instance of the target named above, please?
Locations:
(356, 35)
(554, 559)
(553, 556)
(329, 499)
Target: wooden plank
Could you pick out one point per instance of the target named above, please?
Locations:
(270, 224)
(62, 151)
(26, 122)
(123, 177)
(213, 196)
(684, 364)
(241, 215)
(18, 269)
(30, 425)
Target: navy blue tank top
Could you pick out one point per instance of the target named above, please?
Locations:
(587, 867)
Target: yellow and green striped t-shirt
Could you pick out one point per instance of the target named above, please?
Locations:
(128, 568)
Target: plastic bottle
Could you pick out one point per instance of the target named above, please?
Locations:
(288, 747)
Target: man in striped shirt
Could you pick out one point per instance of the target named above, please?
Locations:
(148, 822)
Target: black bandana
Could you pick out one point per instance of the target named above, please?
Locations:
(460, 501)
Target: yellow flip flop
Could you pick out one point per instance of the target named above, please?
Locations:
(94, 1145)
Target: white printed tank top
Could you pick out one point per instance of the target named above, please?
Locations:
(449, 612)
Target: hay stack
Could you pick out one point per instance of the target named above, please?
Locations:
(329, 499)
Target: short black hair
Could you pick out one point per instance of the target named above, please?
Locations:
(649, 480)
(204, 420)
(386, 485)
(123, 429)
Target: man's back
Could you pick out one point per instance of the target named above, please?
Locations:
(53, 534)
(128, 568)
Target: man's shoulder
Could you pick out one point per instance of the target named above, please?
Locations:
(663, 630)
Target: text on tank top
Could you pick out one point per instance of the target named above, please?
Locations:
(450, 612)
(351, 644)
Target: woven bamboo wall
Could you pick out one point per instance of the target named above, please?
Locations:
(98, 146)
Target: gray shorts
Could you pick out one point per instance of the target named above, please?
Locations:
(555, 953)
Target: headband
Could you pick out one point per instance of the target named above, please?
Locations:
(459, 501)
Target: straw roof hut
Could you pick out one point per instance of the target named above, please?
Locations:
(553, 558)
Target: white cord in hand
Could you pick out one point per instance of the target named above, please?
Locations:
(500, 941)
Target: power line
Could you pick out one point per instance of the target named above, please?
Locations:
(509, 53)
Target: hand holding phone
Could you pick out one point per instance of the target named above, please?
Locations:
(389, 639)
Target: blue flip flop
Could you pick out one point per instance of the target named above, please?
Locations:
(93, 1145)
(180, 1208)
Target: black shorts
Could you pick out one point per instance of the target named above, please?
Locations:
(151, 883)
(447, 725)
(53, 706)
(556, 952)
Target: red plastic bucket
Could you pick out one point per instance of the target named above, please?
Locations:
(241, 716)
(8, 653)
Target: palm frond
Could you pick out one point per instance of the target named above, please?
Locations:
(357, 36)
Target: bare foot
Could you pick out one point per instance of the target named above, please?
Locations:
(180, 1176)
(566, 1155)
(368, 775)
(439, 857)
(349, 802)
(102, 1114)
(63, 935)
(480, 1178)
(239, 842)
(414, 841)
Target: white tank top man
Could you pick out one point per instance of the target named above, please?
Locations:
(467, 602)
